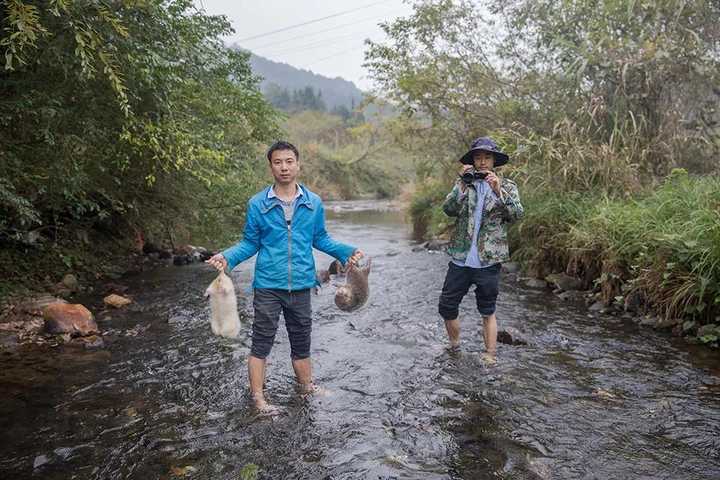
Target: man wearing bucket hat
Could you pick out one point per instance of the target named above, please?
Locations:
(483, 205)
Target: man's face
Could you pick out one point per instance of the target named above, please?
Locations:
(284, 166)
(484, 161)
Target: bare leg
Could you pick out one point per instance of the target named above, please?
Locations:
(256, 372)
(303, 372)
(490, 337)
(453, 331)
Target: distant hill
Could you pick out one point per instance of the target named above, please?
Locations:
(336, 92)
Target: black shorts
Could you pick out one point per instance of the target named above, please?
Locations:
(297, 310)
(457, 284)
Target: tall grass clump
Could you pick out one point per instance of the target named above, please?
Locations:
(663, 245)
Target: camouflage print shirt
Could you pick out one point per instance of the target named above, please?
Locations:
(498, 213)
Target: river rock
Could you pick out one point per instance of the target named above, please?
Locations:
(90, 342)
(203, 253)
(61, 290)
(180, 260)
(648, 321)
(150, 247)
(535, 283)
(689, 326)
(117, 301)
(510, 267)
(183, 250)
(564, 282)
(571, 296)
(597, 306)
(664, 323)
(511, 336)
(69, 318)
(436, 244)
(40, 460)
(633, 301)
(70, 281)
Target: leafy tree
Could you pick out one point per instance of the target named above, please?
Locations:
(633, 85)
(124, 117)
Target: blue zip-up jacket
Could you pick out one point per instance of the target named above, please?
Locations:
(285, 260)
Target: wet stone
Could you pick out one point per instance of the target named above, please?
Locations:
(564, 282)
(535, 283)
(510, 267)
(511, 336)
(66, 318)
(648, 321)
(665, 323)
(597, 307)
(571, 296)
(40, 460)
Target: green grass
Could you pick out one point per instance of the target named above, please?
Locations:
(664, 244)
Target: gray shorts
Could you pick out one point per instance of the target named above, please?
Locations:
(297, 310)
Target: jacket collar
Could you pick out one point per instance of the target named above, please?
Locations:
(268, 202)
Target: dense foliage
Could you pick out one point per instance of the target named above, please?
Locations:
(125, 118)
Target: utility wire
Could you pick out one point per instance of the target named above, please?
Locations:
(328, 42)
(328, 29)
(310, 21)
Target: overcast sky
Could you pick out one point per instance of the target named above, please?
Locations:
(329, 46)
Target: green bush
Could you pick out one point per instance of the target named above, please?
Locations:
(664, 244)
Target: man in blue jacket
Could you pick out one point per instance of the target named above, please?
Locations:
(284, 222)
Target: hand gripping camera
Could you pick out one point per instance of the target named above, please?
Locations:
(469, 177)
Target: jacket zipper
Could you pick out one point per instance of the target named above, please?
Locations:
(289, 227)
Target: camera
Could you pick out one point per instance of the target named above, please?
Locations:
(470, 176)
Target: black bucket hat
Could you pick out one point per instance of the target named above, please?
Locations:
(488, 145)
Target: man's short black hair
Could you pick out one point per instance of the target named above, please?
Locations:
(282, 145)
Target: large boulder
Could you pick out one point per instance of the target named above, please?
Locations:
(74, 319)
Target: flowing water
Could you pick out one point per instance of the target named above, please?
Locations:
(589, 398)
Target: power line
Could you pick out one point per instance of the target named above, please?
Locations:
(343, 52)
(316, 44)
(310, 21)
(329, 29)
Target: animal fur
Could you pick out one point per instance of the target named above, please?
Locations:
(224, 319)
(356, 290)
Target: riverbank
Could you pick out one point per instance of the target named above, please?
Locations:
(89, 273)
(655, 257)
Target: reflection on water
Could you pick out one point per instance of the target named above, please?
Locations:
(588, 398)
